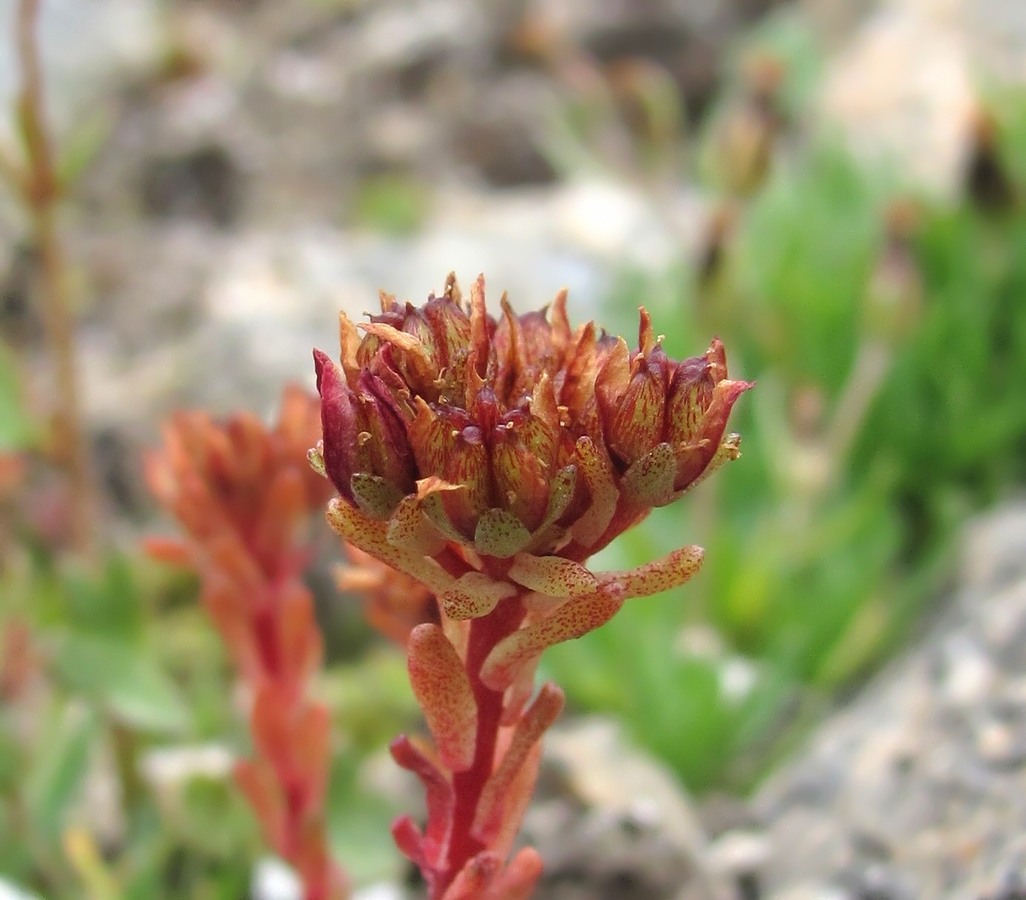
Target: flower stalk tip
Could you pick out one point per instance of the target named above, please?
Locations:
(487, 458)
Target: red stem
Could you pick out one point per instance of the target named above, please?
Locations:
(485, 633)
(316, 873)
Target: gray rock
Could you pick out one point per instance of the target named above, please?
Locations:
(740, 855)
(87, 49)
(918, 787)
(612, 823)
(994, 550)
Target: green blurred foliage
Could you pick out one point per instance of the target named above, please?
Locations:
(887, 336)
(18, 429)
(393, 204)
(121, 667)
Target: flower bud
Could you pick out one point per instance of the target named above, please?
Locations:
(690, 393)
(632, 418)
(449, 444)
(519, 432)
(341, 420)
(388, 451)
(523, 453)
(451, 325)
(363, 430)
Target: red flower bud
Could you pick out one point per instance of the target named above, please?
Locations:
(700, 401)
(467, 415)
(341, 421)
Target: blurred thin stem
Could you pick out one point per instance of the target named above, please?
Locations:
(87, 861)
(41, 193)
(9, 170)
(125, 745)
(871, 366)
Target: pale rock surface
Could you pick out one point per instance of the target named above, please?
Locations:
(918, 787)
(905, 88)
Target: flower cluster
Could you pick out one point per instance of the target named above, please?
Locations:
(244, 495)
(488, 459)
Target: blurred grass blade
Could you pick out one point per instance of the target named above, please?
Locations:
(58, 770)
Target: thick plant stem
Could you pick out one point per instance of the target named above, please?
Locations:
(41, 194)
(485, 633)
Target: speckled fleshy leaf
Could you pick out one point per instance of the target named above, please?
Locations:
(376, 496)
(500, 533)
(728, 451)
(475, 878)
(437, 515)
(518, 694)
(574, 618)
(649, 482)
(315, 456)
(538, 605)
(371, 536)
(439, 797)
(474, 594)
(409, 840)
(599, 477)
(356, 527)
(409, 529)
(443, 691)
(552, 575)
(519, 878)
(671, 571)
(548, 535)
(539, 715)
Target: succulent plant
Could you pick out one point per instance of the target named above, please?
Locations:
(489, 459)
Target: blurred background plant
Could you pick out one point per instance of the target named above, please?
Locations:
(882, 319)
(886, 332)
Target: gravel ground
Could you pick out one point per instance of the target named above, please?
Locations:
(918, 787)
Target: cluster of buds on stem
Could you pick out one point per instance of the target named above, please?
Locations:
(489, 459)
(244, 495)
